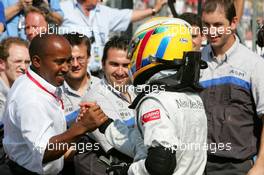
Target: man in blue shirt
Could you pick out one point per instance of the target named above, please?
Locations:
(96, 21)
(2, 17)
(14, 12)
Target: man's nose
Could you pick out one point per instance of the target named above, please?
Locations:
(23, 66)
(120, 69)
(65, 67)
(74, 62)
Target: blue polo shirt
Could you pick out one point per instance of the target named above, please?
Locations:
(101, 21)
(12, 24)
(2, 13)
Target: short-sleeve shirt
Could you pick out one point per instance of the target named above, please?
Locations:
(32, 117)
(233, 99)
(4, 89)
(101, 21)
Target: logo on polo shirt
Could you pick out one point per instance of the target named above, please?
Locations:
(237, 72)
(120, 104)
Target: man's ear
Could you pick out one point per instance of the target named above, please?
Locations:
(103, 65)
(36, 61)
(88, 59)
(2, 65)
(234, 23)
(203, 37)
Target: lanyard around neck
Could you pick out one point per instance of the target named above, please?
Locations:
(43, 88)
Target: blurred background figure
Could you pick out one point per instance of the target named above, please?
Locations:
(14, 61)
(197, 27)
(35, 22)
(96, 21)
(260, 21)
(260, 34)
(15, 11)
(2, 18)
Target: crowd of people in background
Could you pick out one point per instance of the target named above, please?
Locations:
(76, 100)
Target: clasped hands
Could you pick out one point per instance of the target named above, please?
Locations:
(91, 116)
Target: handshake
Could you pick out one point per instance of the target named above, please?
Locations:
(90, 117)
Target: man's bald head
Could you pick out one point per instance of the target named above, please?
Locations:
(43, 45)
(50, 56)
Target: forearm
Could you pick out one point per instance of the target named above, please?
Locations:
(126, 140)
(13, 10)
(239, 5)
(116, 134)
(141, 14)
(57, 17)
(258, 168)
(260, 159)
(2, 28)
(62, 143)
(89, 119)
(138, 168)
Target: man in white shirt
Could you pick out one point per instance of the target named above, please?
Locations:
(14, 60)
(36, 138)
